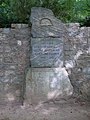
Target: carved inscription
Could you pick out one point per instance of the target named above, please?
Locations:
(46, 52)
(45, 21)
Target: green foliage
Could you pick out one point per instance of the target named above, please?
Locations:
(18, 11)
(22, 9)
(4, 13)
(85, 22)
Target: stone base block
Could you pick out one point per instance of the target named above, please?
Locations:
(44, 84)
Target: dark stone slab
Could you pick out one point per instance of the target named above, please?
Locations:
(44, 24)
(46, 52)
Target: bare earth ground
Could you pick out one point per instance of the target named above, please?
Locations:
(60, 110)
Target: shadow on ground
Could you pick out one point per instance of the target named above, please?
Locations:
(58, 110)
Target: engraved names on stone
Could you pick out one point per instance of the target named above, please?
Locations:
(46, 52)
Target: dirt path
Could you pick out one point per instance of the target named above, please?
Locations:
(62, 110)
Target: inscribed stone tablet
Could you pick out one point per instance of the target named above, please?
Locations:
(46, 52)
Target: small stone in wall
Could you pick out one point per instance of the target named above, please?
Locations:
(19, 42)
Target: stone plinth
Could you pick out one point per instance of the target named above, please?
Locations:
(47, 84)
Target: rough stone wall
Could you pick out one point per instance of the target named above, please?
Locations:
(76, 43)
(14, 61)
(77, 59)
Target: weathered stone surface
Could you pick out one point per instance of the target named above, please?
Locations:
(14, 59)
(44, 24)
(80, 76)
(9, 93)
(19, 26)
(47, 84)
(78, 63)
(48, 36)
(46, 52)
(47, 79)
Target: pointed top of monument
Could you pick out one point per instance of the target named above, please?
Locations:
(45, 24)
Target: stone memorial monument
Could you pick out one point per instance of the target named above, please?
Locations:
(47, 79)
